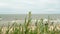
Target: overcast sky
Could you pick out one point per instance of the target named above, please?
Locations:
(35, 6)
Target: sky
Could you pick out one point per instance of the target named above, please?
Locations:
(35, 6)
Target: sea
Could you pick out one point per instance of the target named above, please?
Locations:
(6, 18)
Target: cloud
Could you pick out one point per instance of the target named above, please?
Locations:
(36, 6)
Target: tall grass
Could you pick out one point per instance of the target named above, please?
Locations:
(26, 27)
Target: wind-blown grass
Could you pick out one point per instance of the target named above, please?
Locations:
(26, 27)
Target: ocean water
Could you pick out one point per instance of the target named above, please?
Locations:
(5, 18)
